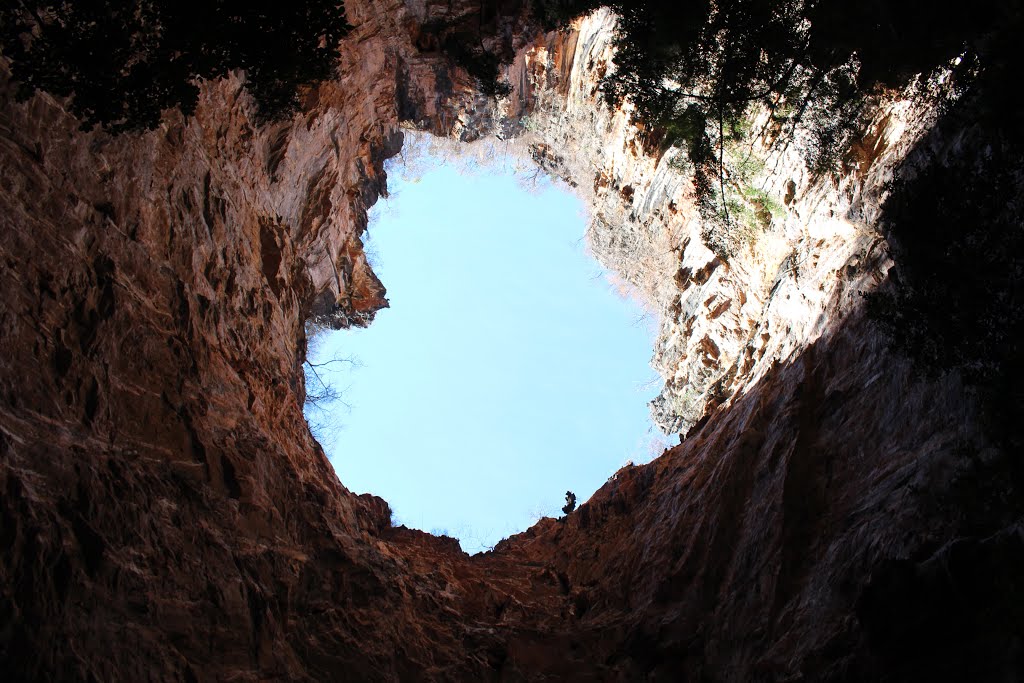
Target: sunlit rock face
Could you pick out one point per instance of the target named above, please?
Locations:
(166, 514)
(724, 320)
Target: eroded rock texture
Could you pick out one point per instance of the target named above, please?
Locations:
(166, 515)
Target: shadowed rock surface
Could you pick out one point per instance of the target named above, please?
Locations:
(166, 515)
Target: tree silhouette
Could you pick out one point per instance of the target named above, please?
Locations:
(483, 66)
(462, 41)
(122, 62)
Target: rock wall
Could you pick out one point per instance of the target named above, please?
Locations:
(163, 498)
(166, 514)
(722, 320)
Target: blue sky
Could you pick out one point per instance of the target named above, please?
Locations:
(506, 371)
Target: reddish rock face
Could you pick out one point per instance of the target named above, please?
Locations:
(166, 515)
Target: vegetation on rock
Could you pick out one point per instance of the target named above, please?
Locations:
(570, 502)
(463, 42)
(123, 62)
(482, 65)
(694, 70)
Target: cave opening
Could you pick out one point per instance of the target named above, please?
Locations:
(510, 367)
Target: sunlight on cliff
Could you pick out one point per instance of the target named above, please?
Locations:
(508, 368)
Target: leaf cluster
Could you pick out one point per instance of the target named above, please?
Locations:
(123, 62)
(462, 41)
(482, 65)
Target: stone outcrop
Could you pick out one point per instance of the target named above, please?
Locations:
(723, 320)
(167, 515)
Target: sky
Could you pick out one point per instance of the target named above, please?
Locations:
(506, 371)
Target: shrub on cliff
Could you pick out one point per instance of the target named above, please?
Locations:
(570, 502)
(463, 43)
(483, 66)
(681, 62)
(122, 62)
(693, 69)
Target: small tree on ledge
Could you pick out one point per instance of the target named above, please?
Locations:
(570, 502)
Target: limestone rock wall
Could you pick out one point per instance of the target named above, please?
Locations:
(167, 516)
(164, 502)
(723, 321)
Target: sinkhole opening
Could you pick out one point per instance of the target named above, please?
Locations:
(510, 367)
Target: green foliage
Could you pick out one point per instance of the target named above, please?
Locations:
(735, 210)
(482, 65)
(463, 42)
(744, 165)
(688, 129)
(735, 224)
(765, 205)
(738, 128)
(693, 69)
(681, 163)
(123, 62)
